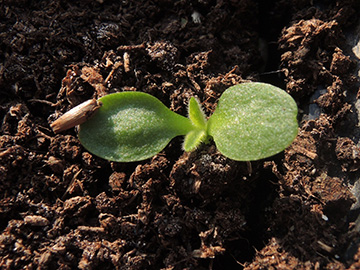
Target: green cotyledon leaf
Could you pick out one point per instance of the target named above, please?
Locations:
(131, 126)
(253, 121)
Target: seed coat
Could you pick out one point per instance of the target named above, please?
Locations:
(76, 115)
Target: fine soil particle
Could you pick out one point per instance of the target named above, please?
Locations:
(63, 208)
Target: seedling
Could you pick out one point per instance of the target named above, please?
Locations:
(252, 121)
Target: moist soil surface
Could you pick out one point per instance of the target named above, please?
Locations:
(63, 208)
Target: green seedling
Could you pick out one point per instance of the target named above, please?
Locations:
(252, 121)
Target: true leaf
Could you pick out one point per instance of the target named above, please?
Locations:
(196, 114)
(193, 139)
(199, 133)
(253, 121)
(131, 126)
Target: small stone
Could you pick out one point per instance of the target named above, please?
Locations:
(33, 220)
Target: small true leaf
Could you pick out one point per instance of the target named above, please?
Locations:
(196, 114)
(131, 126)
(193, 139)
(253, 121)
(199, 133)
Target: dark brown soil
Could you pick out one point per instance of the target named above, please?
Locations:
(63, 208)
